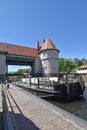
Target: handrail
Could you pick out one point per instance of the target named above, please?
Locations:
(7, 117)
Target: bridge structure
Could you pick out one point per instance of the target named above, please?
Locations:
(15, 55)
(42, 59)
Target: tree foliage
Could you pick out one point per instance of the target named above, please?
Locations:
(70, 65)
(21, 71)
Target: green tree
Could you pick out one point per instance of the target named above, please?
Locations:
(21, 71)
(70, 65)
(61, 64)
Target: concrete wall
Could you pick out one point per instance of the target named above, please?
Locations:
(49, 60)
(36, 67)
(84, 71)
(2, 67)
(49, 54)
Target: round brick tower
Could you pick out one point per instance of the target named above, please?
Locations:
(49, 58)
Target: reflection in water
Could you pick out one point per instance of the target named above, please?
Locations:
(78, 108)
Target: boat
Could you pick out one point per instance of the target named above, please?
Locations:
(46, 88)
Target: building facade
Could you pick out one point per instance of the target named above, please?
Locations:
(82, 69)
(42, 59)
(48, 55)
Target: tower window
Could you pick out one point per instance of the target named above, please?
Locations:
(44, 55)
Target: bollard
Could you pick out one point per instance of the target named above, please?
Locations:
(7, 85)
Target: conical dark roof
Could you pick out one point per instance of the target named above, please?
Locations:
(48, 45)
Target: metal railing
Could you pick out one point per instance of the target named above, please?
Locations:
(8, 124)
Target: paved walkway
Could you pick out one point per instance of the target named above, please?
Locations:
(37, 114)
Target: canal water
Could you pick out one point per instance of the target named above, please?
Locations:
(78, 108)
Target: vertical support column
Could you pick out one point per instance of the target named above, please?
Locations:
(6, 71)
(67, 92)
(81, 82)
(2, 67)
(36, 67)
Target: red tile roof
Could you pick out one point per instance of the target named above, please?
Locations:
(83, 67)
(18, 50)
(48, 45)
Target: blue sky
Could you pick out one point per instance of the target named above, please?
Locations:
(23, 22)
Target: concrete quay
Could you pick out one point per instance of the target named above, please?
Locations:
(36, 114)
